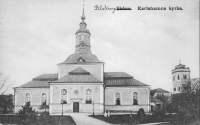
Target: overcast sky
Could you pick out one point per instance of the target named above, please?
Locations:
(36, 35)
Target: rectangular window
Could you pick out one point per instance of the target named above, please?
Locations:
(174, 89)
(179, 88)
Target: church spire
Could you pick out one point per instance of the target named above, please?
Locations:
(83, 15)
(83, 36)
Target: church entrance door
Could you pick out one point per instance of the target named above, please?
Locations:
(75, 107)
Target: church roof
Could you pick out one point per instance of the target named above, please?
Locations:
(47, 77)
(78, 79)
(116, 74)
(79, 71)
(74, 58)
(40, 81)
(123, 82)
(158, 90)
(35, 84)
(114, 79)
(79, 75)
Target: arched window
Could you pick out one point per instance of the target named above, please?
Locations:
(44, 98)
(88, 96)
(135, 98)
(117, 98)
(64, 96)
(178, 77)
(28, 98)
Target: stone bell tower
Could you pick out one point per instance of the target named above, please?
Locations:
(180, 78)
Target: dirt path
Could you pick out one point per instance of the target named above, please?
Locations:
(84, 119)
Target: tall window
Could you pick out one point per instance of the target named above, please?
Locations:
(64, 96)
(135, 98)
(88, 96)
(28, 98)
(178, 77)
(185, 76)
(117, 98)
(44, 98)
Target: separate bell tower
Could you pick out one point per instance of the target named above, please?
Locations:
(180, 78)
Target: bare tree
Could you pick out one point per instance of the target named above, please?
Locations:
(5, 83)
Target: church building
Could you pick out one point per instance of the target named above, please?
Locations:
(82, 85)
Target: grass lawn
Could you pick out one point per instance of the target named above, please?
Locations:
(126, 119)
(40, 120)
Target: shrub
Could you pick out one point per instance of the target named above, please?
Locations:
(27, 115)
(141, 115)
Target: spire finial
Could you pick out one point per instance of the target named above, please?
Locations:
(83, 16)
(179, 61)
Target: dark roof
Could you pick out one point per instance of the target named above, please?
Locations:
(35, 84)
(41, 81)
(78, 79)
(82, 30)
(116, 75)
(123, 82)
(113, 79)
(47, 77)
(181, 68)
(159, 90)
(87, 57)
(79, 71)
(79, 75)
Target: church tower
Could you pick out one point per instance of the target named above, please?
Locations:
(180, 78)
(83, 37)
(82, 57)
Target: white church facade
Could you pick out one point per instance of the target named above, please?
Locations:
(82, 85)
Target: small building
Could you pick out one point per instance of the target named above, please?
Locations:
(159, 91)
(156, 104)
(159, 98)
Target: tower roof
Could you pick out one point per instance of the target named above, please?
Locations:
(181, 68)
(87, 58)
(83, 48)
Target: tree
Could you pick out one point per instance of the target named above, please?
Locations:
(27, 114)
(4, 83)
(163, 99)
(6, 103)
(44, 106)
(186, 105)
(141, 115)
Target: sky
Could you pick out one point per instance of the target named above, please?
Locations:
(37, 35)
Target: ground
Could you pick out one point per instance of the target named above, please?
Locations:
(47, 120)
